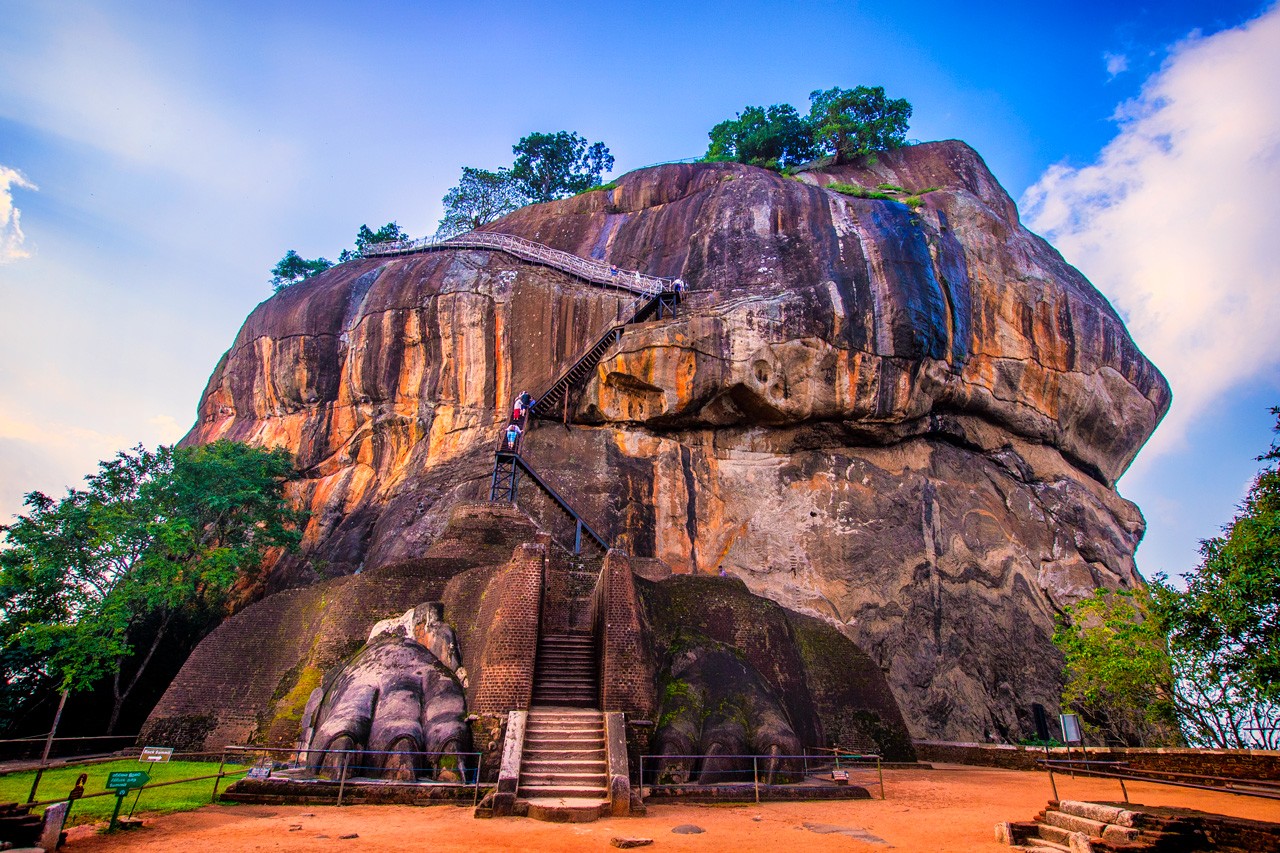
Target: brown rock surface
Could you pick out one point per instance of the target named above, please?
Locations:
(905, 423)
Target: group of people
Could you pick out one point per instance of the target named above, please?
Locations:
(520, 410)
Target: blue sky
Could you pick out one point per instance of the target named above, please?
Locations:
(163, 156)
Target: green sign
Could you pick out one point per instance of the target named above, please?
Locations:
(121, 781)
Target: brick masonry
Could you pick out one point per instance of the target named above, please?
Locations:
(1237, 763)
(506, 665)
(627, 675)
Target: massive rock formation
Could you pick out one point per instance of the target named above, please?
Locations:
(905, 422)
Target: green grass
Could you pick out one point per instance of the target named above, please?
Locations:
(612, 185)
(858, 192)
(58, 781)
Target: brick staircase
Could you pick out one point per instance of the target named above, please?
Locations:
(566, 672)
(564, 760)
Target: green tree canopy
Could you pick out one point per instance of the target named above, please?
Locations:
(852, 122)
(478, 199)
(1119, 676)
(555, 165)
(294, 268)
(155, 536)
(775, 137)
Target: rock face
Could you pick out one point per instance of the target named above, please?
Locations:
(907, 423)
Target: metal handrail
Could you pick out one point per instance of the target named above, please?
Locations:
(581, 526)
(596, 272)
(755, 768)
(1123, 771)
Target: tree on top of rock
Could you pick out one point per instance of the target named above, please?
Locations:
(294, 268)
(775, 137)
(478, 199)
(554, 165)
(366, 237)
(850, 123)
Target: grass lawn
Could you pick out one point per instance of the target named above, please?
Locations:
(56, 782)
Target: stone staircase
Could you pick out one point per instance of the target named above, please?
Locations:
(564, 762)
(566, 673)
(1081, 827)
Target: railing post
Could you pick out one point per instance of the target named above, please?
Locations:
(218, 778)
(577, 536)
(342, 776)
(755, 772)
(880, 770)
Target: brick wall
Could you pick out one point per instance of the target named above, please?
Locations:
(626, 674)
(1238, 763)
(505, 679)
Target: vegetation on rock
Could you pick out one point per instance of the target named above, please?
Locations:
(294, 268)
(92, 584)
(554, 165)
(843, 123)
(478, 199)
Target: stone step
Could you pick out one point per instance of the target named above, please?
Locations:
(1073, 823)
(1096, 811)
(533, 733)
(570, 780)
(561, 742)
(1056, 834)
(571, 765)
(568, 714)
(565, 754)
(585, 791)
(1035, 844)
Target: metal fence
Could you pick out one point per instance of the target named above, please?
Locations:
(1123, 771)
(32, 748)
(597, 272)
(751, 772)
(361, 767)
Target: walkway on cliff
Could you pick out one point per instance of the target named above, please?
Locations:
(595, 272)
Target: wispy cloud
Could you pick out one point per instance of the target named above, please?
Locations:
(1174, 221)
(12, 240)
(1117, 64)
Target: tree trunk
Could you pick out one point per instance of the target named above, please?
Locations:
(121, 696)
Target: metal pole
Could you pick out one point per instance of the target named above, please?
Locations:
(577, 536)
(880, 770)
(1124, 790)
(342, 775)
(755, 772)
(1052, 783)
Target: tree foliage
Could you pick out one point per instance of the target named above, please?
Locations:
(294, 268)
(478, 199)
(155, 536)
(1119, 675)
(555, 165)
(1224, 627)
(774, 137)
(366, 237)
(850, 123)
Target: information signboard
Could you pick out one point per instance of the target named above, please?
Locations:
(124, 780)
(1071, 733)
(156, 753)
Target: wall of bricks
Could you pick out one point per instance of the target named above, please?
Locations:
(505, 680)
(627, 675)
(1237, 763)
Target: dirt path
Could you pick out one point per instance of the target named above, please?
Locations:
(947, 809)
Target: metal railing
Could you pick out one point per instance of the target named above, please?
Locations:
(1123, 771)
(596, 272)
(750, 772)
(363, 767)
(31, 748)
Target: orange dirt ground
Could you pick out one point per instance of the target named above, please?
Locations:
(950, 808)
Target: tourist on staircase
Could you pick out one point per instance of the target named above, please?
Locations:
(511, 438)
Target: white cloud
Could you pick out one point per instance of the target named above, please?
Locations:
(1175, 221)
(12, 239)
(1117, 64)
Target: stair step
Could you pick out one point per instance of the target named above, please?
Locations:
(1056, 834)
(565, 754)
(570, 765)
(1074, 823)
(586, 780)
(564, 791)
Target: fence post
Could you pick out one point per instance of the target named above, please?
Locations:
(35, 783)
(342, 775)
(755, 772)
(1124, 790)
(1052, 783)
(217, 779)
(880, 771)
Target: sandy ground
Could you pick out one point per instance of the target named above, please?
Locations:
(949, 808)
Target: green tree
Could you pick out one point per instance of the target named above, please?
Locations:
(850, 123)
(775, 137)
(155, 537)
(1119, 675)
(478, 199)
(294, 268)
(1224, 628)
(555, 165)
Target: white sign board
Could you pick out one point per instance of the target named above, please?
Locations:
(1071, 733)
(156, 753)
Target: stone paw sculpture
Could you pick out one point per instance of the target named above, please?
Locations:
(716, 706)
(388, 704)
